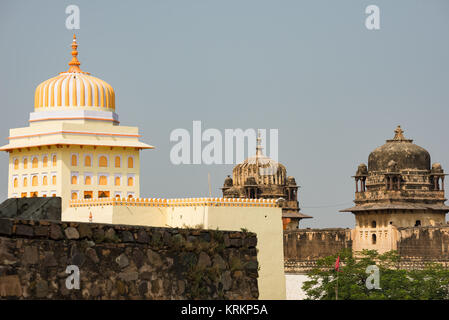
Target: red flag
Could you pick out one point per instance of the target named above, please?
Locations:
(337, 264)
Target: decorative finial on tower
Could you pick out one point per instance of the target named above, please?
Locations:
(258, 146)
(398, 134)
(74, 64)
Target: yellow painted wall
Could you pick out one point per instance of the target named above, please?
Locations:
(64, 170)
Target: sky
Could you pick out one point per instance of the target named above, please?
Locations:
(311, 69)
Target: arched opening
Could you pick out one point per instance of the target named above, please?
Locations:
(373, 224)
(130, 181)
(252, 194)
(25, 182)
(103, 180)
(130, 162)
(74, 160)
(103, 162)
(25, 163)
(417, 223)
(34, 181)
(87, 180)
(74, 179)
(16, 164)
(117, 162)
(74, 195)
(53, 180)
(117, 181)
(53, 160)
(34, 162)
(45, 180)
(16, 182)
(373, 239)
(45, 162)
(87, 161)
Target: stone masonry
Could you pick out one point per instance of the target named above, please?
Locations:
(125, 262)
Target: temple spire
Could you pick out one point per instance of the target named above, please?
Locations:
(74, 63)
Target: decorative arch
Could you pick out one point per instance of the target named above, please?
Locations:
(117, 162)
(88, 161)
(103, 161)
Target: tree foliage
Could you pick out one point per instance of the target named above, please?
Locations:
(429, 283)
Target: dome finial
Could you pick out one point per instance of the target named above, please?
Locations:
(74, 64)
(258, 146)
(398, 134)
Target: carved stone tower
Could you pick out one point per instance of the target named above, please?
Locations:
(398, 189)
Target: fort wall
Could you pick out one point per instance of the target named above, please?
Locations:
(125, 262)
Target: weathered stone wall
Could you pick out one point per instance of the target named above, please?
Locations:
(303, 247)
(36, 208)
(419, 245)
(125, 262)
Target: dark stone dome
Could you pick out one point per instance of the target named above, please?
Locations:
(403, 152)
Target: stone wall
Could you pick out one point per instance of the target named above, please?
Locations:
(125, 262)
(303, 247)
(419, 245)
(36, 208)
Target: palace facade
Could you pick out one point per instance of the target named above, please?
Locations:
(74, 147)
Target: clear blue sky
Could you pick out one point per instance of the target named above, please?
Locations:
(311, 69)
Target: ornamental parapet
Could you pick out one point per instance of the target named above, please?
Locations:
(181, 202)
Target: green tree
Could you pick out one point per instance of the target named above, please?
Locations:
(431, 282)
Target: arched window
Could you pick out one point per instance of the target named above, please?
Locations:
(417, 223)
(74, 195)
(373, 239)
(117, 162)
(45, 180)
(74, 179)
(16, 164)
(130, 196)
(45, 161)
(117, 181)
(25, 182)
(130, 181)
(103, 162)
(25, 163)
(88, 161)
(74, 160)
(53, 160)
(16, 182)
(103, 180)
(373, 224)
(34, 162)
(130, 162)
(87, 180)
(53, 180)
(34, 181)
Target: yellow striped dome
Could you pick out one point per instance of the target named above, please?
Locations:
(74, 88)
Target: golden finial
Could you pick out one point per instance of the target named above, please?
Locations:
(74, 64)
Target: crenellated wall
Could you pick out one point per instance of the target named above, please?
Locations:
(303, 247)
(416, 246)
